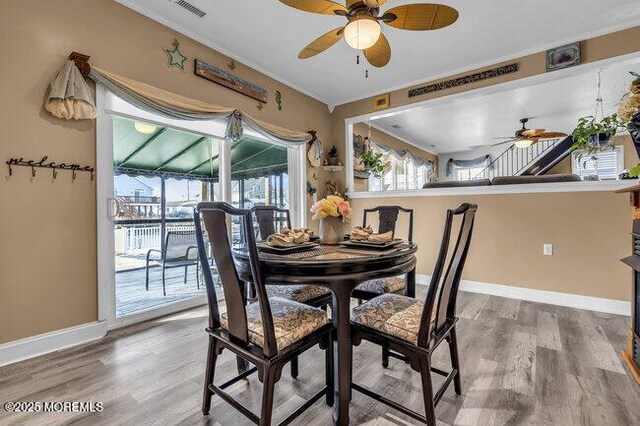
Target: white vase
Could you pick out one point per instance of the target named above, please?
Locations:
(331, 230)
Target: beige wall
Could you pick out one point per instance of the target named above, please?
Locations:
(589, 232)
(48, 229)
(392, 142)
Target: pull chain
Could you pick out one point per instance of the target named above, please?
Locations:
(366, 74)
(357, 59)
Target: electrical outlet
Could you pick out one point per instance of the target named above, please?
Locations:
(547, 249)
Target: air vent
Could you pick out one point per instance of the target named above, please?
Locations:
(191, 8)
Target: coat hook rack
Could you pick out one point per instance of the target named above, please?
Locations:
(43, 163)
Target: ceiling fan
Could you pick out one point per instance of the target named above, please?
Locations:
(524, 137)
(363, 32)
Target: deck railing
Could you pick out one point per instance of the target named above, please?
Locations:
(136, 239)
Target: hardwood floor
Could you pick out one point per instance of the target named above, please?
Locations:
(132, 297)
(522, 364)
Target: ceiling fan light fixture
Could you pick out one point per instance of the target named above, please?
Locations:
(362, 32)
(523, 143)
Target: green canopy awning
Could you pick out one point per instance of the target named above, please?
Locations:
(178, 154)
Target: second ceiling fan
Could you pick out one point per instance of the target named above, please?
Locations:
(363, 31)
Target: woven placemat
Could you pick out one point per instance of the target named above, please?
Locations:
(305, 254)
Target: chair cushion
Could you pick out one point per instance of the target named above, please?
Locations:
(291, 321)
(392, 314)
(383, 285)
(298, 293)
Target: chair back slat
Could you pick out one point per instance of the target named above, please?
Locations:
(215, 215)
(443, 289)
(177, 244)
(388, 219)
(271, 219)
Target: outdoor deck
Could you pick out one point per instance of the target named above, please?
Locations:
(131, 295)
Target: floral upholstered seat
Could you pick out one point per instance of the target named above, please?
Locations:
(392, 314)
(291, 321)
(383, 285)
(297, 293)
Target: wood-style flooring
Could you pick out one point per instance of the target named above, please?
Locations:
(522, 364)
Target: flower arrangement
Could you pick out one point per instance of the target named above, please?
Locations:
(332, 206)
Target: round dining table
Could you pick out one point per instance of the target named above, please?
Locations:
(340, 269)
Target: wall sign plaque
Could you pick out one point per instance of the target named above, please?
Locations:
(468, 79)
(230, 81)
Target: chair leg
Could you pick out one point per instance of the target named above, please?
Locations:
(455, 360)
(198, 275)
(146, 286)
(242, 365)
(427, 392)
(267, 395)
(212, 356)
(385, 357)
(328, 357)
(185, 274)
(294, 368)
(164, 288)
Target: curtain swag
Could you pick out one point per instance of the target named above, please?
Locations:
(485, 159)
(69, 95)
(403, 155)
(173, 105)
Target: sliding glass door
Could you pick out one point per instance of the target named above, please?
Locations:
(160, 170)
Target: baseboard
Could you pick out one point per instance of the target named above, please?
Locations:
(618, 307)
(41, 344)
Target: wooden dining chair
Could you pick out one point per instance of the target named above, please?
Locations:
(268, 333)
(387, 221)
(414, 329)
(271, 219)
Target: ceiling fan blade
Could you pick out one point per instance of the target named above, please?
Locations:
(322, 43)
(532, 132)
(323, 7)
(379, 54)
(422, 17)
(506, 137)
(551, 135)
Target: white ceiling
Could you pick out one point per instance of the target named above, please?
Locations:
(475, 119)
(268, 35)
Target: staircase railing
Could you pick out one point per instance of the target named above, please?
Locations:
(513, 161)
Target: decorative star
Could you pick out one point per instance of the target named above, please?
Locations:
(176, 59)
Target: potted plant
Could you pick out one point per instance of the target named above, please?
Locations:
(372, 163)
(591, 137)
(332, 212)
(333, 156)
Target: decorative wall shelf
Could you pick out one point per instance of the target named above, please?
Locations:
(333, 168)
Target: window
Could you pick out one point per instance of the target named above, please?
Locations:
(400, 174)
(468, 173)
(610, 164)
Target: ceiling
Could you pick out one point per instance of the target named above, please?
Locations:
(472, 120)
(268, 35)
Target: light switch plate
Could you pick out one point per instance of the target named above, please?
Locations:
(547, 249)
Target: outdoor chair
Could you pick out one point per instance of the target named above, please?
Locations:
(180, 251)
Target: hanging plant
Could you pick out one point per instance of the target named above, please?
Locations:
(373, 163)
(593, 136)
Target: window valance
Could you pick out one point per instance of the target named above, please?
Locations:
(474, 162)
(173, 105)
(403, 155)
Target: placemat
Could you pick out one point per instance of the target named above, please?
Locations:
(305, 254)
